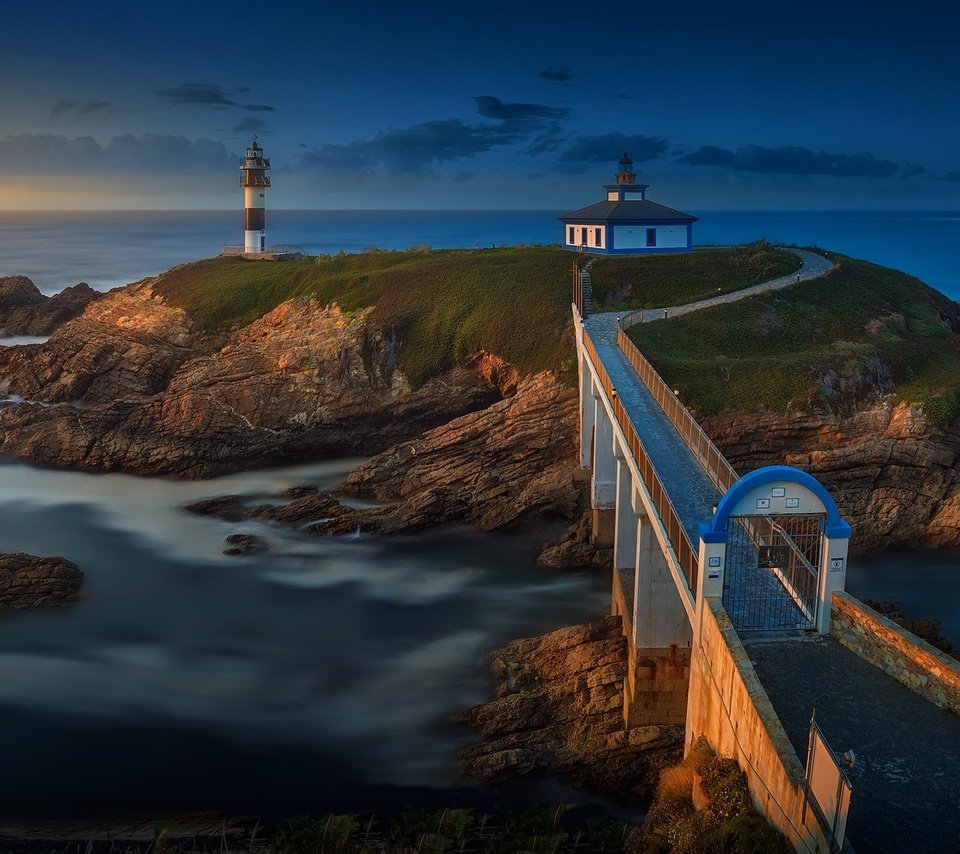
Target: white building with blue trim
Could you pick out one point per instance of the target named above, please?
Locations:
(627, 223)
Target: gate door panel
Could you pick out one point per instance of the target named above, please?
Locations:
(771, 581)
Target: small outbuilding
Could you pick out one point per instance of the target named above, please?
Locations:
(627, 223)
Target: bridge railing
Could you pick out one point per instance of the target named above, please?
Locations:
(687, 557)
(707, 454)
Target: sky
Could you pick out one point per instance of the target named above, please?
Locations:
(495, 105)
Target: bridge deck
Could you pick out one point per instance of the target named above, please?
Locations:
(691, 490)
(906, 777)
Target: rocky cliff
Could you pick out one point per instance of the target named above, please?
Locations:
(894, 477)
(26, 311)
(559, 711)
(131, 384)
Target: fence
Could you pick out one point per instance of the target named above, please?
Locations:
(707, 454)
(687, 557)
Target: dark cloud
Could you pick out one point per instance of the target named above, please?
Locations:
(608, 148)
(709, 155)
(912, 170)
(54, 153)
(792, 160)
(250, 124)
(209, 95)
(83, 107)
(414, 148)
(952, 176)
(494, 108)
(561, 75)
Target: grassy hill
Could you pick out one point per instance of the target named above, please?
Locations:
(809, 345)
(446, 304)
(656, 281)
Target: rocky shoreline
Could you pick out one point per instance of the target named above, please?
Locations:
(130, 384)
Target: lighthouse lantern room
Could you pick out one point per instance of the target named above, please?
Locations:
(254, 180)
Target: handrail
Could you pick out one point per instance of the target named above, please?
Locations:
(676, 533)
(712, 461)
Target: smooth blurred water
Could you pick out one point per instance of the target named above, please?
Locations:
(108, 248)
(191, 680)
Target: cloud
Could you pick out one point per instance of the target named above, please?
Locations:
(607, 148)
(250, 124)
(82, 107)
(791, 160)
(55, 153)
(561, 75)
(952, 176)
(209, 95)
(414, 148)
(912, 170)
(494, 108)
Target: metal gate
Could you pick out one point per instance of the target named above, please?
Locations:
(772, 575)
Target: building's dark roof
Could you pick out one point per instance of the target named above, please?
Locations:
(634, 210)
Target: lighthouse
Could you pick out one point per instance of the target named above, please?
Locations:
(627, 222)
(254, 180)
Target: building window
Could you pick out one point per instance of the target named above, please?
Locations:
(598, 237)
(570, 236)
(651, 237)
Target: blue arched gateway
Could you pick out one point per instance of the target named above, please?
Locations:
(775, 551)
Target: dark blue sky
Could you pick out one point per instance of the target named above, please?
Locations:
(492, 104)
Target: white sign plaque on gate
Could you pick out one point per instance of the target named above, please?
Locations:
(714, 561)
(793, 503)
(763, 504)
(836, 564)
(778, 492)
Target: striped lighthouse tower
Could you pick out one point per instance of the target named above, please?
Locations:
(254, 180)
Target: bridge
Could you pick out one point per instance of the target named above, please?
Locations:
(731, 594)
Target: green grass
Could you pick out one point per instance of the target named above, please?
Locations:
(860, 327)
(659, 281)
(442, 305)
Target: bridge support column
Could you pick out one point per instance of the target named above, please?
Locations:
(625, 535)
(661, 677)
(604, 484)
(587, 414)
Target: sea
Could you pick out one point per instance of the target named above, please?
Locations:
(321, 674)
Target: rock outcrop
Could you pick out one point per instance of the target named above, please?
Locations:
(509, 462)
(27, 581)
(24, 310)
(559, 711)
(131, 385)
(895, 478)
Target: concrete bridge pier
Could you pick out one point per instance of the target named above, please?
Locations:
(662, 637)
(603, 487)
(587, 415)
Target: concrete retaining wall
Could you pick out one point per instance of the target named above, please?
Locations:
(910, 660)
(729, 707)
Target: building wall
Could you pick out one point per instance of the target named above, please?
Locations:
(635, 236)
(591, 236)
(728, 706)
(913, 662)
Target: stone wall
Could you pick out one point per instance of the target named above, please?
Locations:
(913, 662)
(728, 706)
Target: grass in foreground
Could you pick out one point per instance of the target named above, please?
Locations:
(659, 281)
(823, 345)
